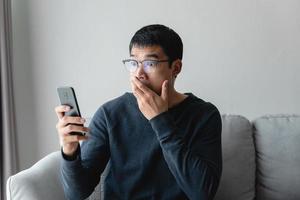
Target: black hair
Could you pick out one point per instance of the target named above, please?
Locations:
(157, 34)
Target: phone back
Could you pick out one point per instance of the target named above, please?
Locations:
(67, 97)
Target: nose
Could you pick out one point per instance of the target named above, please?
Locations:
(140, 70)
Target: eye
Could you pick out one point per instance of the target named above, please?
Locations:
(133, 63)
(150, 63)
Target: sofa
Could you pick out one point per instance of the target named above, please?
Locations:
(261, 160)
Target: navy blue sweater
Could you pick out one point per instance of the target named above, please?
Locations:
(175, 155)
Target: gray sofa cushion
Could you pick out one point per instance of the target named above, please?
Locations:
(277, 140)
(238, 177)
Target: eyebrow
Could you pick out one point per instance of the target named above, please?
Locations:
(151, 55)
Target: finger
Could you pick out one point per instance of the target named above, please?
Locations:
(136, 91)
(60, 110)
(65, 120)
(164, 90)
(74, 128)
(141, 86)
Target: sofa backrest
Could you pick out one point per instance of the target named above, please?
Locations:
(238, 176)
(277, 140)
(41, 181)
(261, 160)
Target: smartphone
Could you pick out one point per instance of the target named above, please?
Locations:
(67, 97)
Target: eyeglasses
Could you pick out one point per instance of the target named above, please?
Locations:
(148, 65)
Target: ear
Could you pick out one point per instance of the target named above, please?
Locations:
(176, 67)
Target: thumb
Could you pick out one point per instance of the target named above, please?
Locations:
(165, 90)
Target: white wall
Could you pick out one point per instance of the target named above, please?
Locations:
(241, 55)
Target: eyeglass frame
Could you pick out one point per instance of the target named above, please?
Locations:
(157, 62)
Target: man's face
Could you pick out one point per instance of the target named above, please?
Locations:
(163, 71)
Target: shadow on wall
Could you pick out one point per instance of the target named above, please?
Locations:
(24, 91)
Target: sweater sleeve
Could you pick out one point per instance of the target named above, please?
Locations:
(195, 162)
(79, 177)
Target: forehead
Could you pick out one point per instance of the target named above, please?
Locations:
(154, 51)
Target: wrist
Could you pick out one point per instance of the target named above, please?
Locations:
(70, 156)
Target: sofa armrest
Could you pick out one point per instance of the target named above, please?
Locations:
(41, 181)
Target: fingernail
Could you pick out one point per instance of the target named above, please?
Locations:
(67, 108)
(82, 120)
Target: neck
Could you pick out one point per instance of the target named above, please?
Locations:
(175, 98)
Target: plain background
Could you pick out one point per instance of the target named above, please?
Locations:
(243, 56)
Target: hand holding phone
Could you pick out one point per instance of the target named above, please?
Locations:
(70, 125)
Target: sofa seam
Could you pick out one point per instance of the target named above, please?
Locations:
(256, 159)
(9, 188)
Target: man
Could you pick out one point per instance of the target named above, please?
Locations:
(161, 144)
